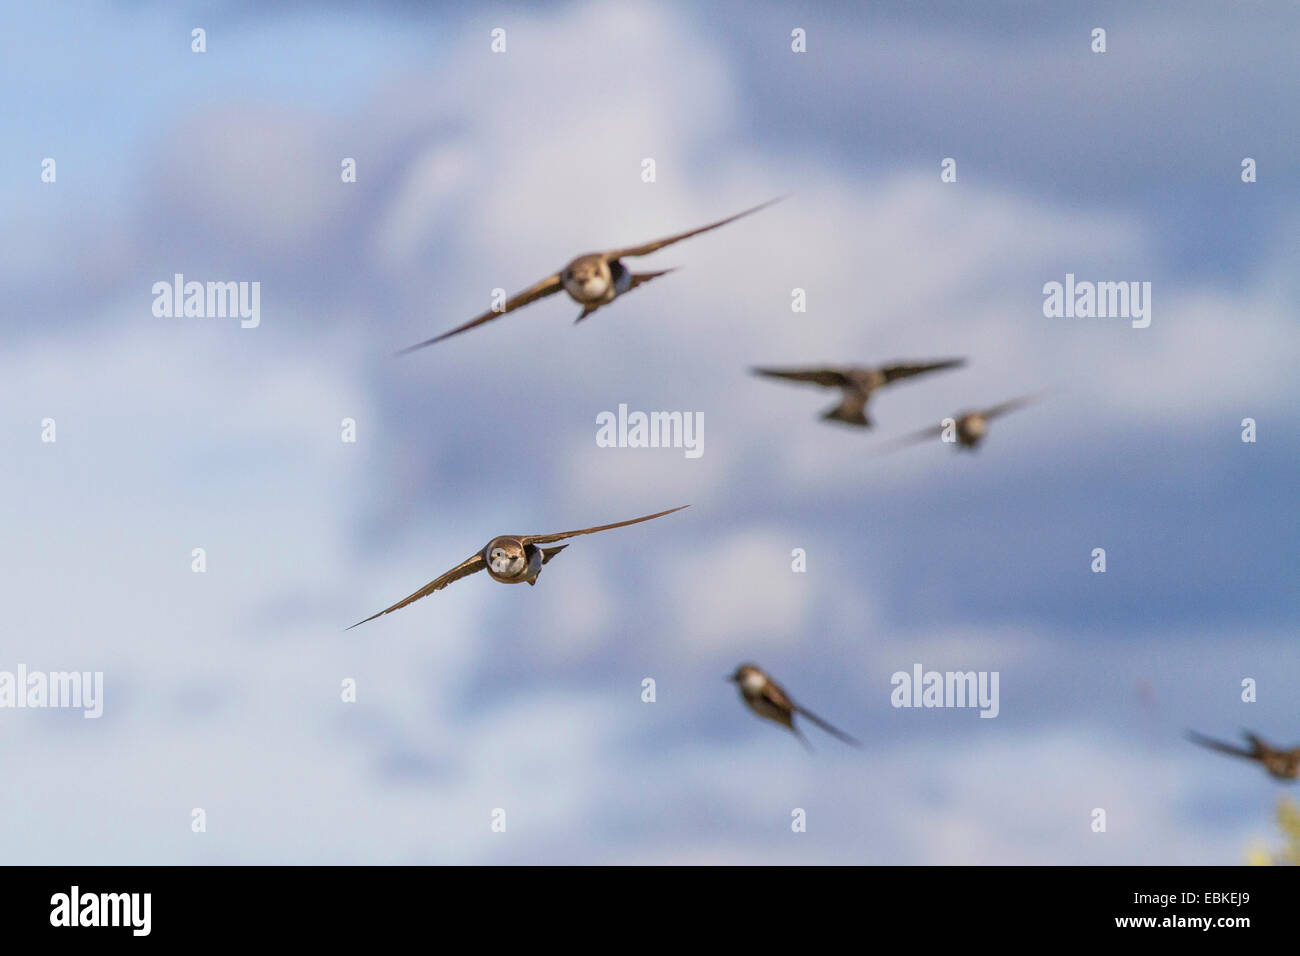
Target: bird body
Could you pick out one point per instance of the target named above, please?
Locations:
(1281, 764)
(969, 428)
(592, 280)
(857, 383)
(510, 559)
(768, 699)
(765, 697)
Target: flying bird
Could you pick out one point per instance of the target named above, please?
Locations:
(591, 280)
(856, 383)
(510, 559)
(767, 698)
(1282, 764)
(970, 427)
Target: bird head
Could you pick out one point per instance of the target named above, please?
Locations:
(744, 671)
(587, 278)
(971, 428)
(505, 557)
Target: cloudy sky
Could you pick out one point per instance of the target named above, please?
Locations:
(478, 170)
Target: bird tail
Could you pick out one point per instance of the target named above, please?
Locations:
(638, 278)
(906, 441)
(851, 413)
(833, 731)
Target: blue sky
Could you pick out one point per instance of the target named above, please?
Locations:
(478, 170)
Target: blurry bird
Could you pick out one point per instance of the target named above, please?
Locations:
(856, 383)
(591, 280)
(767, 698)
(1282, 764)
(510, 559)
(970, 428)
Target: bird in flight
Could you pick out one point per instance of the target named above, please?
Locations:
(1282, 764)
(767, 698)
(510, 559)
(591, 280)
(969, 428)
(856, 383)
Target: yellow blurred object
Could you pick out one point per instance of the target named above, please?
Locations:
(1288, 820)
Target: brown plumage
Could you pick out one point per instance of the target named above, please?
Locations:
(768, 699)
(510, 559)
(1281, 764)
(591, 280)
(970, 427)
(856, 383)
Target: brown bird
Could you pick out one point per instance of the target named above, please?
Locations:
(591, 280)
(856, 383)
(969, 428)
(1282, 764)
(767, 698)
(510, 559)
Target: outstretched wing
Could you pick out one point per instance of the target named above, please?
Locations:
(1011, 406)
(546, 538)
(467, 567)
(548, 553)
(827, 377)
(833, 731)
(548, 286)
(649, 247)
(907, 370)
(1219, 745)
(904, 441)
(794, 729)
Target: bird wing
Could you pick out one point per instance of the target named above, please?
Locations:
(828, 377)
(775, 695)
(548, 286)
(649, 247)
(906, 370)
(904, 441)
(833, 731)
(1219, 745)
(548, 553)
(547, 538)
(1010, 406)
(794, 729)
(469, 566)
